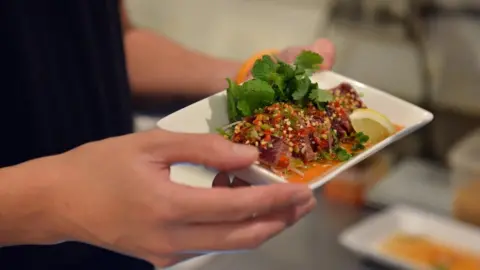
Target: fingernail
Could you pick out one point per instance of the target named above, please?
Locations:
(305, 209)
(310, 206)
(302, 197)
(244, 150)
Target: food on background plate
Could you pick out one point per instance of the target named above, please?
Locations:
(300, 130)
(428, 253)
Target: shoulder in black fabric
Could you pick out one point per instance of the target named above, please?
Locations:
(63, 83)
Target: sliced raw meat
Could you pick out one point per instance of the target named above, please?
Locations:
(278, 155)
(345, 101)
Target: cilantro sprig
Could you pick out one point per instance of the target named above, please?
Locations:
(276, 81)
(342, 154)
(359, 141)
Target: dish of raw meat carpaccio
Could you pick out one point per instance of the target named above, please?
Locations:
(301, 131)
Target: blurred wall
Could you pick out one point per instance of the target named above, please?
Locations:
(232, 28)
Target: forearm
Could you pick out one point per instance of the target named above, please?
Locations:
(158, 65)
(26, 204)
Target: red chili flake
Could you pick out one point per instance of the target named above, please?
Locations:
(283, 162)
(323, 144)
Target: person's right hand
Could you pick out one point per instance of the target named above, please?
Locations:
(117, 194)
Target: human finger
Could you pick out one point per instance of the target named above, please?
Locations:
(326, 49)
(205, 149)
(194, 205)
(248, 234)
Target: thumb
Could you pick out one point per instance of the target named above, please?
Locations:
(206, 149)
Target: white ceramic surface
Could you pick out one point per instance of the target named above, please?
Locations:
(366, 237)
(210, 113)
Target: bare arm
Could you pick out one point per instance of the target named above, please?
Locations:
(26, 204)
(158, 65)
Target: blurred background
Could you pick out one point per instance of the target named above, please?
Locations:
(424, 51)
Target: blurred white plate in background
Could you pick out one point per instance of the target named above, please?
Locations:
(366, 237)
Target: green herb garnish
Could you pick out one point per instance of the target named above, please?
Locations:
(276, 81)
(302, 87)
(320, 97)
(361, 138)
(223, 132)
(264, 68)
(359, 141)
(358, 147)
(309, 62)
(254, 94)
(342, 154)
(324, 156)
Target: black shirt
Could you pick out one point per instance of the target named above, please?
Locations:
(63, 83)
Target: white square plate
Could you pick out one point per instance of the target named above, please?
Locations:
(366, 237)
(206, 115)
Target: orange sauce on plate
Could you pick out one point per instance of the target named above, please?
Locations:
(349, 191)
(427, 253)
(311, 173)
(318, 169)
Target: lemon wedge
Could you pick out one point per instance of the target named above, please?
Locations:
(373, 124)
